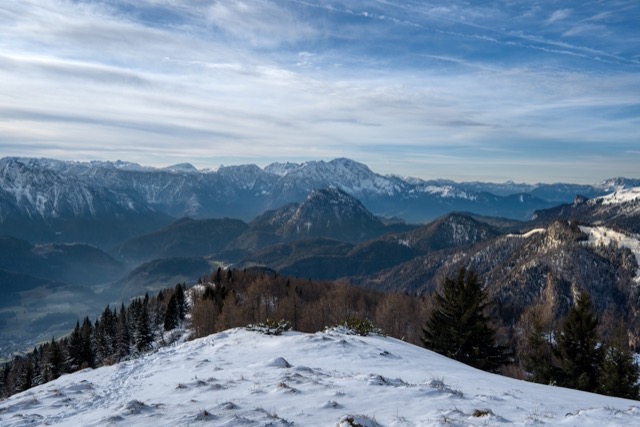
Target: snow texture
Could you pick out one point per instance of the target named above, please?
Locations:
(621, 196)
(529, 233)
(244, 378)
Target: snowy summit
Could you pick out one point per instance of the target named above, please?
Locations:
(244, 378)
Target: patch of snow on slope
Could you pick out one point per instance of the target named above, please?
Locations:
(447, 191)
(529, 233)
(621, 196)
(240, 377)
(606, 236)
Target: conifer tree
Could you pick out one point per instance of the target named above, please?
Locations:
(87, 359)
(122, 337)
(578, 347)
(74, 349)
(458, 327)
(26, 380)
(181, 303)
(171, 315)
(143, 332)
(537, 349)
(618, 372)
(54, 361)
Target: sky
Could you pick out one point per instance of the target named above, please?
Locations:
(541, 91)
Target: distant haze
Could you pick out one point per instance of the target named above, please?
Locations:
(529, 92)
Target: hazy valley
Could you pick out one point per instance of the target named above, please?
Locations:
(138, 229)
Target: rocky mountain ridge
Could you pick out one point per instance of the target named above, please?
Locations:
(45, 200)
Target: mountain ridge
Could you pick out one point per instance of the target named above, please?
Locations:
(42, 200)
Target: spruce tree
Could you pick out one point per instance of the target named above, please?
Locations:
(578, 347)
(88, 349)
(537, 348)
(122, 336)
(618, 372)
(181, 303)
(74, 349)
(458, 326)
(171, 315)
(143, 332)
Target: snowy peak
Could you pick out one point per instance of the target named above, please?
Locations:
(615, 184)
(181, 168)
(624, 195)
(47, 190)
(282, 169)
(353, 177)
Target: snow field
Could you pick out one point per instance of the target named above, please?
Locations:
(243, 378)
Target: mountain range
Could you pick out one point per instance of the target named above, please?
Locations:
(127, 240)
(105, 203)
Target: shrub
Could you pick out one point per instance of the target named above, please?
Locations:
(359, 326)
(270, 327)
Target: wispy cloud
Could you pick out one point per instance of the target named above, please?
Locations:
(559, 15)
(161, 81)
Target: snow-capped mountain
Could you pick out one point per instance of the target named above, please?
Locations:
(55, 193)
(624, 195)
(620, 208)
(238, 378)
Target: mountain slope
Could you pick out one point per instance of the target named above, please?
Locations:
(546, 265)
(51, 201)
(620, 209)
(153, 276)
(73, 263)
(239, 377)
(185, 238)
(333, 214)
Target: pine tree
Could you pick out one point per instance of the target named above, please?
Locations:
(618, 372)
(54, 361)
(122, 336)
(181, 303)
(88, 349)
(171, 315)
(143, 332)
(578, 347)
(537, 349)
(457, 326)
(74, 349)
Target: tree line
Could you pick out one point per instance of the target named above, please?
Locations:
(117, 335)
(578, 351)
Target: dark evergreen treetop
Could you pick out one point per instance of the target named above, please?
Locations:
(578, 346)
(458, 326)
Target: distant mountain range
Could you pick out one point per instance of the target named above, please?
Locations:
(105, 203)
(317, 220)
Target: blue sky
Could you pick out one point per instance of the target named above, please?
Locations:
(541, 91)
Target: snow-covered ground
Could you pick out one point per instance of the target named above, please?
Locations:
(606, 236)
(529, 233)
(621, 196)
(243, 378)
